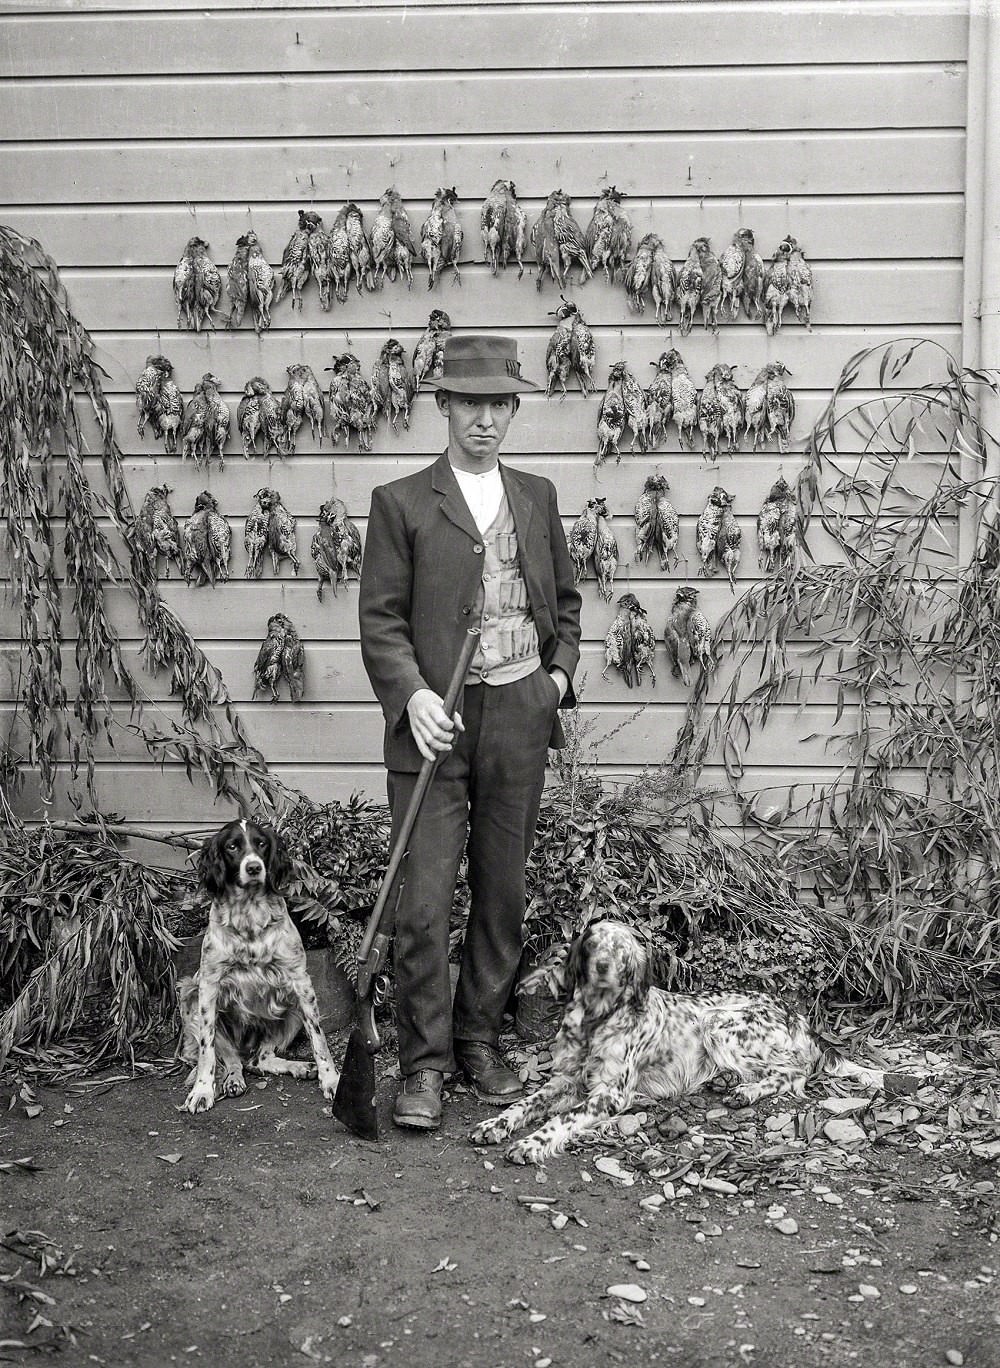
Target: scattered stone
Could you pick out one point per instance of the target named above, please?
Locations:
(787, 1226)
(719, 1185)
(844, 1132)
(867, 1290)
(630, 1292)
(907, 1289)
(696, 1301)
(955, 1357)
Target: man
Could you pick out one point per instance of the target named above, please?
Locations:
(466, 542)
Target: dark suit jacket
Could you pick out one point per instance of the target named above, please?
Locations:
(423, 566)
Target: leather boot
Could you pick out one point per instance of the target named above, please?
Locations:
(486, 1070)
(418, 1102)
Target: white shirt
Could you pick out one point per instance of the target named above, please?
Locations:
(482, 493)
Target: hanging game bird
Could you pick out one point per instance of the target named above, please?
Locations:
(258, 415)
(158, 401)
(558, 241)
(349, 252)
(610, 424)
(583, 537)
(770, 407)
(392, 383)
(160, 530)
(255, 533)
(732, 268)
(352, 402)
(630, 643)
(752, 289)
(336, 547)
(207, 540)
(301, 399)
(392, 239)
(197, 285)
(687, 634)
(238, 282)
(729, 539)
(776, 288)
(684, 396)
(260, 283)
(281, 656)
(428, 354)
(609, 234)
(638, 273)
(777, 528)
(708, 526)
(652, 270)
(720, 411)
(441, 236)
(295, 259)
(281, 533)
(319, 259)
(657, 527)
(502, 222)
(206, 423)
(338, 256)
(800, 282)
(689, 282)
(605, 552)
(659, 403)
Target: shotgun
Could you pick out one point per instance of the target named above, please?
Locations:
(354, 1103)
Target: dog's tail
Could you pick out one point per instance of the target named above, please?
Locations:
(838, 1065)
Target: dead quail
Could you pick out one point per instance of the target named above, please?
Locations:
(302, 399)
(708, 527)
(293, 662)
(362, 260)
(281, 533)
(352, 402)
(638, 274)
(684, 393)
(777, 527)
(392, 239)
(605, 552)
(712, 411)
(197, 285)
(207, 540)
(657, 527)
(732, 265)
(249, 420)
(502, 222)
(729, 542)
(392, 383)
(690, 279)
(559, 353)
(147, 394)
(755, 408)
(610, 421)
(260, 283)
(546, 245)
(780, 405)
(255, 533)
(687, 634)
(558, 241)
(643, 643)
(752, 289)
(206, 423)
(238, 282)
(428, 354)
(336, 547)
(609, 234)
(731, 398)
(582, 538)
(663, 283)
(800, 282)
(319, 260)
(441, 236)
(338, 256)
(281, 656)
(630, 643)
(777, 288)
(711, 284)
(160, 530)
(583, 354)
(635, 403)
(659, 403)
(296, 262)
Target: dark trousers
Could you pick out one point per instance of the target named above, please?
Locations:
(487, 789)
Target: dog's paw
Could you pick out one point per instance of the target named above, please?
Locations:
(300, 1068)
(200, 1098)
(328, 1081)
(232, 1085)
(489, 1132)
(527, 1150)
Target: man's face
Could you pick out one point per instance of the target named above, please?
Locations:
(477, 424)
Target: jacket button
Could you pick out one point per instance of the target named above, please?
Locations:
(478, 550)
(466, 609)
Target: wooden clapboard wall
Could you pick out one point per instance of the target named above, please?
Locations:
(128, 130)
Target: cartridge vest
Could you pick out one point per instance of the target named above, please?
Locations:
(508, 640)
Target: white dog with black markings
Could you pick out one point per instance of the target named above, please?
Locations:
(621, 1036)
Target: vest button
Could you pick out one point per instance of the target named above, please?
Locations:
(466, 609)
(477, 549)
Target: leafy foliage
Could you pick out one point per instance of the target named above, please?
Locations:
(905, 840)
(46, 368)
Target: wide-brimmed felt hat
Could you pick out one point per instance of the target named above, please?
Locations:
(479, 364)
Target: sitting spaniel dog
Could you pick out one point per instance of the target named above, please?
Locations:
(252, 992)
(621, 1036)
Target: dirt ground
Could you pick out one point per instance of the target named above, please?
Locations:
(262, 1234)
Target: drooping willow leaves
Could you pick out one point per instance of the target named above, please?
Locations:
(47, 369)
(906, 638)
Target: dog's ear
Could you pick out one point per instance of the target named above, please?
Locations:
(212, 865)
(576, 962)
(639, 971)
(279, 866)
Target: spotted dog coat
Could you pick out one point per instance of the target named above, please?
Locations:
(252, 991)
(621, 1036)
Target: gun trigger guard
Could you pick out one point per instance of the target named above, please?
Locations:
(380, 990)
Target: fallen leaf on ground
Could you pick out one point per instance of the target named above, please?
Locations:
(444, 1266)
(170, 1158)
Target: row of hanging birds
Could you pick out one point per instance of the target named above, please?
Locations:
(720, 286)
(269, 422)
(721, 411)
(201, 549)
(718, 536)
(630, 645)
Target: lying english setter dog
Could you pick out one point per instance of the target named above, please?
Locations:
(621, 1036)
(252, 992)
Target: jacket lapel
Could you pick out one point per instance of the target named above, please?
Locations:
(453, 506)
(521, 504)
